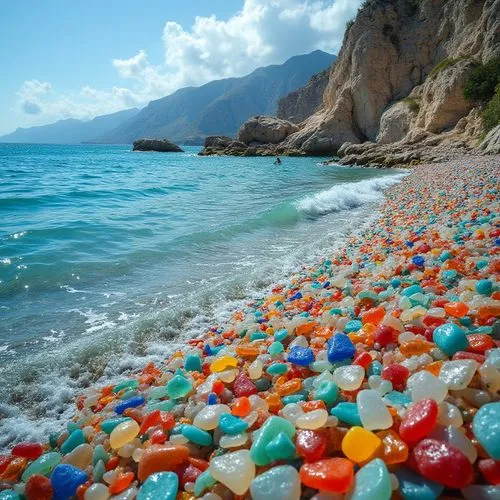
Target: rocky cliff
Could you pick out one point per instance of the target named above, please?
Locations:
(400, 75)
(302, 103)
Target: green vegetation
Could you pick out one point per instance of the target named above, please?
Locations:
(413, 103)
(483, 79)
(445, 63)
(491, 115)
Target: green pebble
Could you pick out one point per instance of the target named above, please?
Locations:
(373, 482)
(196, 435)
(192, 363)
(327, 392)
(9, 495)
(161, 405)
(269, 430)
(348, 413)
(43, 465)
(277, 369)
(71, 426)
(158, 392)
(99, 470)
(126, 384)
(107, 426)
(178, 387)
(203, 482)
(275, 348)
(280, 448)
(159, 486)
(129, 394)
(229, 424)
(76, 438)
(99, 454)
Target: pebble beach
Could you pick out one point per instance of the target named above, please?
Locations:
(374, 374)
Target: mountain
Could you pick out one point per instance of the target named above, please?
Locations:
(69, 131)
(218, 107)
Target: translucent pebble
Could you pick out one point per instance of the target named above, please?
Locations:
(228, 376)
(490, 377)
(457, 438)
(395, 323)
(97, 491)
(208, 418)
(233, 441)
(486, 427)
(137, 454)
(159, 486)
(269, 430)
(312, 420)
(373, 482)
(278, 483)
(178, 387)
(372, 410)
(449, 415)
(256, 402)
(475, 397)
(80, 457)
(349, 378)
(458, 374)
(424, 385)
(360, 444)
(123, 434)
(291, 412)
(234, 470)
(42, 465)
(413, 486)
(222, 363)
(299, 341)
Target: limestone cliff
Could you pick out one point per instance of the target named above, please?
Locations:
(400, 75)
(302, 103)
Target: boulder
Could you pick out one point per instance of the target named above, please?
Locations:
(491, 143)
(159, 145)
(217, 141)
(265, 130)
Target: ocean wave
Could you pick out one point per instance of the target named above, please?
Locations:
(347, 196)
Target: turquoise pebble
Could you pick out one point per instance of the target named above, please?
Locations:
(411, 290)
(445, 255)
(229, 424)
(269, 430)
(278, 483)
(335, 311)
(280, 448)
(126, 384)
(275, 348)
(99, 470)
(107, 426)
(192, 363)
(158, 392)
(277, 368)
(280, 335)
(398, 398)
(9, 495)
(294, 398)
(347, 412)
(373, 482)
(128, 394)
(486, 427)
(161, 405)
(484, 287)
(196, 435)
(480, 264)
(257, 336)
(450, 338)
(178, 387)
(203, 482)
(99, 454)
(374, 368)
(353, 326)
(413, 486)
(159, 486)
(327, 391)
(71, 426)
(76, 438)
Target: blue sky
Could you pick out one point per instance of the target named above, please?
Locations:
(77, 58)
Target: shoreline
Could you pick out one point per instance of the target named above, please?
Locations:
(364, 283)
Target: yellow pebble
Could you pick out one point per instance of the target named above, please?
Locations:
(222, 363)
(360, 444)
(123, 434)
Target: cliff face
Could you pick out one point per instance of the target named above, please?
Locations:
(302, 103)
(400, 74)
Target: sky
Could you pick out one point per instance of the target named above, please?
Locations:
(83, 58)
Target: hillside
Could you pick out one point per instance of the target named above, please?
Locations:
(219, 107)
(69, 131)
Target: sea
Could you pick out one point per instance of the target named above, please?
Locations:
(111, 258)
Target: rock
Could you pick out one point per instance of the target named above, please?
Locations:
(217, 141)
(265, 130)
(394, 123)
(491, 143)
(160, 145)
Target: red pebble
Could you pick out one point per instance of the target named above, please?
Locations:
(490, 469)
(418, 421)
(31, 451)
(167, 421)
(4, 462)
(384, 335)
(443, 463)
(150, 420)
(158, 437)
(38, 487)
(310, 445)
(331, 474)
(189, 475)
(397, 374)
(243, 386)
(469, 355)
(363, 359)
(479, 343)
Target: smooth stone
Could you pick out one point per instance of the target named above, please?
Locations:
(123, 434)
(450, 338)
(486, 427)
(413, 486)
(132, 402)
(196, 435)
(340, 348)
(43, 465)
(234, 470)
(229, 424)
(76, 438)
(203, 482)
(348, 413)
(208, 417)
(458, 374)
(349, 378)
(424, 385)
(96, 491)
(373, 482)
(372, 410)
(160, 486)
(80, 457)
(278, 483)
(178, 387)
(327, 392)
(312, 420)
(65, 480)
(107, 426)
(269, 430)
(280, 448)
(192, 363)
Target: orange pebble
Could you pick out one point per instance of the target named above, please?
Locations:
(308, 406)
(121, 483)
(434, 367)
(479, 343)
(246, 351)
(241, 407)
(373, 316)
(273, 402)
(306, 328)
(456, 309)
(395, 450)
(415, 347)
(161, 458)
(289, 387)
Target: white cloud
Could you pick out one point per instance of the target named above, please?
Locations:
(262, 32)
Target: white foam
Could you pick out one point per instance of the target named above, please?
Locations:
(347, 196)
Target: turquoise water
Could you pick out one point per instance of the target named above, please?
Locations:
(109, 258)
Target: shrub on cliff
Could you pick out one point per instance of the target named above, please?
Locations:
(491, 115)
(483, 79)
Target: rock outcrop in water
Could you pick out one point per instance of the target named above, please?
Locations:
(159, 145)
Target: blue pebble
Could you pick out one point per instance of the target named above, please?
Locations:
(302, 356)
(229, 424)
(395, 282)
(374, 368)
(484, 287)
(340, 348)
(129, 403)
(65, 480)
(212, 399)
(296, 296)
(450, 338)
(418, 260)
